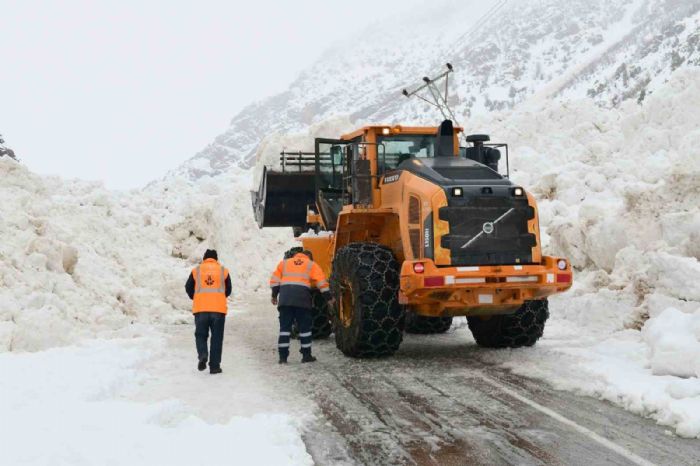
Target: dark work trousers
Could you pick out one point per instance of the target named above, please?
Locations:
(288, 314)
(205, 321)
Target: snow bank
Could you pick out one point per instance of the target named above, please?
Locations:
(217, 213)
(673, 338)
(619, 194)
(74, 400)
(78, 260)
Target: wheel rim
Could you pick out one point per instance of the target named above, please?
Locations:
(346, 311)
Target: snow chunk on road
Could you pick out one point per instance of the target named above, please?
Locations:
(674, 342)
(69, 406)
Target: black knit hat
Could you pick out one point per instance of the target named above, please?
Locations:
(211, 254)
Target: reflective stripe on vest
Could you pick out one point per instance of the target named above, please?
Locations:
(222, 283)
(304, 276)
(305, 285)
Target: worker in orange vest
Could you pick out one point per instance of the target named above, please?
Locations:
(291, 285)
(208, 287)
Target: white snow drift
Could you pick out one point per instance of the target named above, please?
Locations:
(78, 260)
(71, 408)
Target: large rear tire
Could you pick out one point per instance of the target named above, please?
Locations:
(368, 320)
(423, 325)
(523, 328)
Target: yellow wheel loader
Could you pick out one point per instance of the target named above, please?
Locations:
(413, 230)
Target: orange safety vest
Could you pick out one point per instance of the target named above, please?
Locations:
(300, 271)
(209, 287)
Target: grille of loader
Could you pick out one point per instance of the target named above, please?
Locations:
(488, 230)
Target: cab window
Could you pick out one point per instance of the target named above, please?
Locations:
(398, 148)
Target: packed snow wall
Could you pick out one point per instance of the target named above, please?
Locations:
(77, 260)
(619, 195)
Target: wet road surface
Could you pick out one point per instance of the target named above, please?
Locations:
(436, 403)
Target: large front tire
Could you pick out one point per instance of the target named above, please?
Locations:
(523, 328)
(367, 318)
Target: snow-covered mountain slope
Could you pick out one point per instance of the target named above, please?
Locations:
(610, 51)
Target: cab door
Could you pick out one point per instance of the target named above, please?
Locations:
(333, 171)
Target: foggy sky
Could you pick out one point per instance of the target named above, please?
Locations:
(123, 91)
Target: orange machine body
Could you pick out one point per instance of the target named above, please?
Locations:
(404, 214)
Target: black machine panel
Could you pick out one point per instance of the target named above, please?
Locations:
(488, 229)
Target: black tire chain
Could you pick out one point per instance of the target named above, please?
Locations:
(523, 328)
(377, 327)
(423, 325)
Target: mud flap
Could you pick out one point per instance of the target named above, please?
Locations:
(282, 198)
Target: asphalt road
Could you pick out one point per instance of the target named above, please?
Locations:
(436, 403)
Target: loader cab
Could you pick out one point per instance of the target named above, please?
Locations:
(401, 144)
(348, 169)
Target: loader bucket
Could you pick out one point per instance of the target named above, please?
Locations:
(282, 198)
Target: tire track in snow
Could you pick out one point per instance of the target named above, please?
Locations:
(430, 405)
(399, 424)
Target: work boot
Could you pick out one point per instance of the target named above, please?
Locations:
(283, 360)
(215, 370)
(308, 358)
(202, 364)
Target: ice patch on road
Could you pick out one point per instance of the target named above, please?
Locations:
(71, 406)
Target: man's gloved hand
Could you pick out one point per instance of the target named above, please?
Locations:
(273, 301)
(331, 302)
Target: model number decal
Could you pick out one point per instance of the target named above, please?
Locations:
(426, 238)
(391, 178)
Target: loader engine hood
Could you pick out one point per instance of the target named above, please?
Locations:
(450, 171)
(488, 223)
